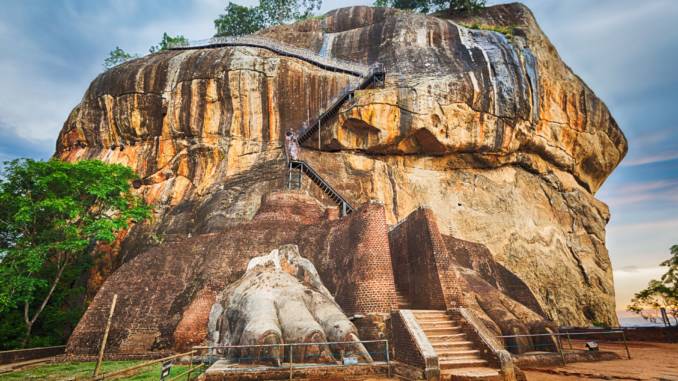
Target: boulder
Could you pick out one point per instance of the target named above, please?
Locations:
(494, 133)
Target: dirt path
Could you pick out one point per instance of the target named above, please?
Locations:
(649, 361)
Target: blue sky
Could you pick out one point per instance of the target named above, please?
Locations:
(626, 50)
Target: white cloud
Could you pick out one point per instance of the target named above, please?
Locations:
(628, 282)
(651, 158)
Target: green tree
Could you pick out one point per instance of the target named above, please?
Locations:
(426, 6)
(238, 20)
(116, 57)
(660, 294)
(53, 214)
(168, 41)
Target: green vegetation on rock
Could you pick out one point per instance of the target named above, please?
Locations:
(53, 216)
(117, 56)
(167, 41)
(426, 6)
(238, 20)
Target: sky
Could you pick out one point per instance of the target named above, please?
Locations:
(625, 50)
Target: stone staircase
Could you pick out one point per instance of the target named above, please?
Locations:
(458, 356)
(403, 301)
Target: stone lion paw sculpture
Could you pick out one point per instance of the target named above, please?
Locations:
(281, 299)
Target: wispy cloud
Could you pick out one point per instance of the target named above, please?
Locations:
(650, 159)
(639, 227)
(636, 192)
(628, 282)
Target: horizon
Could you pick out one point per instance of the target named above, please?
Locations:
(45, 72)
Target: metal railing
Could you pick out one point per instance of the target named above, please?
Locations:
(302, 166)
(25, 354)
(375, 73)
(277, 47)
(191, 371)
(568, 335)
(291, 356)
(498, 351)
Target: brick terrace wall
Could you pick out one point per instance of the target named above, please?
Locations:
(165, 294)
(17, 355)
(360, 248)
(405, 349)
(422, 263)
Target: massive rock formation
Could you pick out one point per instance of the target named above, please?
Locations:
(496, 135)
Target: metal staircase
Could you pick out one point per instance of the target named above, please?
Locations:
(375, 76)
(368, 76)
(297, 167)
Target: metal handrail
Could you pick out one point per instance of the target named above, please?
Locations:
(570, 334)
(502, 355)
(310, 172)
(32, 349)
(229, 346)
(278, 47)
(344, 94)
(560, 334)
(292, 345)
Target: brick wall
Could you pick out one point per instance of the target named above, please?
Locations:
(406, 349)
(421, 263)
(165, 294)
(360, 247)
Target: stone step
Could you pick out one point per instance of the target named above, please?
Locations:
(458, 353)
(430, 317)
(461, 363)
(441, 331)
(429, 312)
(478, 373)
(437, 324)
(446, 359)
(446, 338)
(452, 345)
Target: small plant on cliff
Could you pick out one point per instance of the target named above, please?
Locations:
(53, 214)
(426, 6)
(507, 31)
(239, 20)
(660, 294)
(116, 57)
(167, 42)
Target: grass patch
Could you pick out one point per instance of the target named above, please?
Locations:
(84, 370)
(507, 31)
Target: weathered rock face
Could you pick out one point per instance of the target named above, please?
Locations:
(497, 136)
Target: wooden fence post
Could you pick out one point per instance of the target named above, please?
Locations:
(105, 338)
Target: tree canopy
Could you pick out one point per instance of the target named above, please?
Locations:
(238, 20)
(53, 214)
(166, 42)
(661, 293)
(426, 6)
(116, 57)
